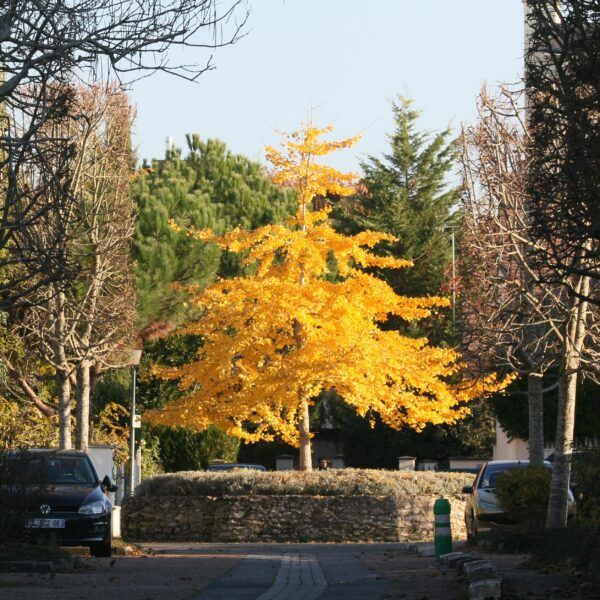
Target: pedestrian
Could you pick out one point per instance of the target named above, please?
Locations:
(323, 464)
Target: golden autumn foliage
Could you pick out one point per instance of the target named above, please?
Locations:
(274, 340)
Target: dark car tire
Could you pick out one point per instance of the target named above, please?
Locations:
(471, 532)
(101, 550)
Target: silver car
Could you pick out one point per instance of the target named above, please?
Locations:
(482, 510)
(235, 467)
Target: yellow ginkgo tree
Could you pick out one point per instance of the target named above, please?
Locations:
(274, 340)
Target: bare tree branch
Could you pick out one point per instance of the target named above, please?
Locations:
(45, 45)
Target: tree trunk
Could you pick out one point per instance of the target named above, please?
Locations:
(95, 371)
(303, 413)
(64, 409)
(536, 418)
(82, 397)
(62, 372)
(304, 435)
(561, 472)
(574, 339)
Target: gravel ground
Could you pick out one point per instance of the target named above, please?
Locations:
(414, 577)
(417, 578)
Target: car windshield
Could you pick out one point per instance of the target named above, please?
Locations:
(236, 467)
(59, 470)
(490, 475)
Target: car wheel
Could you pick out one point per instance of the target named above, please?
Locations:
(101, 550)
(471, 531)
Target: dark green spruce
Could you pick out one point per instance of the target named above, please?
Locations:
(406, 193)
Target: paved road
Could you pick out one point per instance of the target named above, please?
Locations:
(292, 571)
(275, 572)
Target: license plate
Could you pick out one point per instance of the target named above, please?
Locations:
(45, 524)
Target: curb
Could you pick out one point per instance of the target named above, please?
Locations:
(481, 575)
(62, 565)
(426, 550)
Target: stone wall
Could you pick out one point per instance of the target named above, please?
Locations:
(284, 518)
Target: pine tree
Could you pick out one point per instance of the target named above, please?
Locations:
(209, 188)
(405, 193)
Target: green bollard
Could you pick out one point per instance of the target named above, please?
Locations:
(443, 533)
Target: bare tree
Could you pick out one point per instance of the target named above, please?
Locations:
(103, 299)
(35, 156)
(508, 313)
(563, 88)
(45, 45)
(521, 311)
(79, 324)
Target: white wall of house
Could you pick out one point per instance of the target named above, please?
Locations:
(102, 458)
(507, 448)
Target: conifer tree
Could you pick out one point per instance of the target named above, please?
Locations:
(209, 188)
(275, 339)
(405, 193)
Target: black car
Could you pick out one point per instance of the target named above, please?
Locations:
(62, 498)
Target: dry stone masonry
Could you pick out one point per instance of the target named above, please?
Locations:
(285, 518)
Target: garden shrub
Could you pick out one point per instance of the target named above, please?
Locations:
(523, 493)
(182, 449)
(586, 486)
(334, 482)
(23, 427)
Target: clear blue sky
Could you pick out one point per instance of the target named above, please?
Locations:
(345, 58)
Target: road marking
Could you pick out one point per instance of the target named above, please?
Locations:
(299, 578)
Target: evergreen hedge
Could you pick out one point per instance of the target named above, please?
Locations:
(334, 482)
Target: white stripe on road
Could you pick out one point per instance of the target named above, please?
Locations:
(299, 578)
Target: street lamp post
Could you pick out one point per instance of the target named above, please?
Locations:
(452, 233)
(136, 356)
(452, 230)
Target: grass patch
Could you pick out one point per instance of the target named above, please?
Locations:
(335, 482)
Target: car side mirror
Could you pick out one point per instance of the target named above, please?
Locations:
(468, 489)
(108, 485)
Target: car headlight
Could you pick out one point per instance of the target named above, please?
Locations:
(487, 505)
(93, 508)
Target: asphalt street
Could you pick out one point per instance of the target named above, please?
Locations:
(203, 571)
(301, 571)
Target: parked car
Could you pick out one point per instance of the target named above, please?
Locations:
(482, 510)
(62, 498)
(234, 466)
